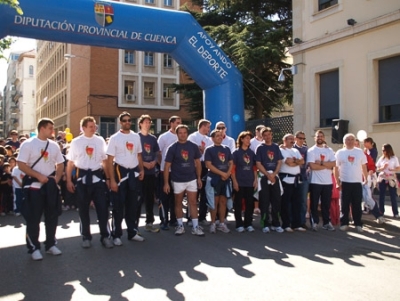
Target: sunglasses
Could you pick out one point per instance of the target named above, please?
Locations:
(221, 128)
(126, 120)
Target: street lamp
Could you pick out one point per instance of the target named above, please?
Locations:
(292, 69)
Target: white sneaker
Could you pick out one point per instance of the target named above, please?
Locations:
(288, 229)
(328, 227)
(300, 229)
(250, 229)
(204, 222)
(359, 229)
(54, 251)
(277, 229)
(381, 220)
(137, 237)
(197, 231)
(240, 229)
(36, 255)
(315, 227)
(265, 230)
(179, 230)
(107, 243)
(344, 228)
(117, 241)
(223, 228)
(212, 228)
(86, 244)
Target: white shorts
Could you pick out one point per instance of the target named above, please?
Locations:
(180, 187)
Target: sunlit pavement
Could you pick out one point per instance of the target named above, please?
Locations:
(247, 266)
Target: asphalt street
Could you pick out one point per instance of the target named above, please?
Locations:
(236, 266)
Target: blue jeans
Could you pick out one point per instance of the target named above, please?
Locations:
(302, 191)
(393, 197)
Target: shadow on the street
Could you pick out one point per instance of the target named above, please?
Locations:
(158, 263)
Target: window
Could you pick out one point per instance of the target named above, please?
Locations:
(329, 97)
(148, 89)
(30, 70)
(129, 87)
(107, 126)
(168, 91)
(322, 4)
(149, 59)
(149, 1)
(129, 57)
(167, 61)
(389, 89)
(168, 2)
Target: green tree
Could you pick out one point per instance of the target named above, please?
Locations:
(255, 35)
(6, 43)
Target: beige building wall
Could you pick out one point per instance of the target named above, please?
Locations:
(329, 43)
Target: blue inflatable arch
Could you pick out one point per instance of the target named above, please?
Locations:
(124, 26)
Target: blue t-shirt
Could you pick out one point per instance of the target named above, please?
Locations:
(219, 156)
(182, 156)
(244, 161)
(150, 150)
(268, 155)
(303, 152)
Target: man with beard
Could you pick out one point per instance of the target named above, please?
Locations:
(321, 160)
(183, 158)
(125, 167)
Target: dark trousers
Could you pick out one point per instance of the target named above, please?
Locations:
(168, 203)
(18, 195)
(34, 205)
(290, 206)
(245, 193)
(202, 193)
(95, 192)
(324, 192)
(270, 195)
(393, 197)
(351, 196)
(125, 205)
(148, 190)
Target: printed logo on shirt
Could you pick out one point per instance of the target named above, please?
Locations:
(246, 158)
(221, 157)
(271, 155)
(147, 148)
(203, 144)
(45, 154)
(89, 151)
(351, 159)
(129, 146)
(322, 157)
(185, 154)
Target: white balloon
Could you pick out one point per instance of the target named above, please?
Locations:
(361, 135)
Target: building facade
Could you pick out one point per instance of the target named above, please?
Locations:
(76, 80)
(348, 58)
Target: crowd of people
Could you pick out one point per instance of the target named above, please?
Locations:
(206, 172)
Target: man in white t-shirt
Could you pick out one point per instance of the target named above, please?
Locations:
(201, 139)
(125, 166)
(167, 200)
(41, 196)
(87, 153)
(257, 139)
(228, 141)
(349, 171)
(321, 160)
(289, 174)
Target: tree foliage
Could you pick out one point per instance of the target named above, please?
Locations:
(14, 4)
(6, 43)
(255, 35)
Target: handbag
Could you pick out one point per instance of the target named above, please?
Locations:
(28, 180)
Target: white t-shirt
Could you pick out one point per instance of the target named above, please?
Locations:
(16, 172)
(229, 142)
(164, 141)
(31, 150)
(254, 143)
(87, 153)
(315, 153)
(350, 164)
(125, 148)
(393, 162)
(293, 170)
(200, 140)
